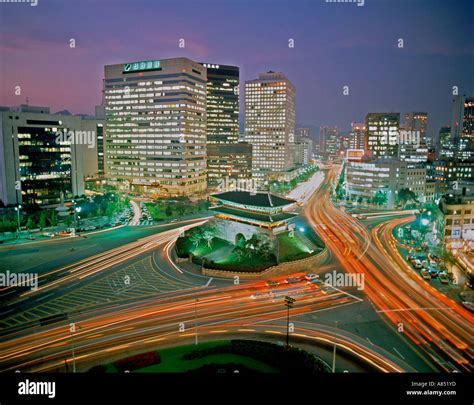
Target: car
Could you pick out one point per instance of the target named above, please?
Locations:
(469, 305)
(443, 277)
(433, 271)
(425, 274)
(310, 277)
(293, 280)
(417, 264)
(272, 283)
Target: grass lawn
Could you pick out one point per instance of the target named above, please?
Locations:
(292, 248)
(255, 260)
(172, 362)
(217, 244)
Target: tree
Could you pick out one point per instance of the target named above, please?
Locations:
(405, 195)
(42, 219)
(168, 211)
(196, 236)
(208, 236)
(53, 218)
(30, 223)
(240, 253)
(380, 198)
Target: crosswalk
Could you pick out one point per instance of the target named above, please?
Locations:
(138, 280)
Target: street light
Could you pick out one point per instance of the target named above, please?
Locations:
(289, 304)
(17, 209)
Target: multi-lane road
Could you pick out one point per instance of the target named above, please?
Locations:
(436, 327)
(395, 324)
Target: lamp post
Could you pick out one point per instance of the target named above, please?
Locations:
(17, 209)
(289, 304)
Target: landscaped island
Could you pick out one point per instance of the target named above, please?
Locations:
(250, 233)
(229, 356)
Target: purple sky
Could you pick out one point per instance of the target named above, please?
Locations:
(335, 45)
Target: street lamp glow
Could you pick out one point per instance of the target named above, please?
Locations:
(424, 222)
(301, 229)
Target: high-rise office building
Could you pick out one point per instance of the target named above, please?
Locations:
(222, 104)
(446, 146)
(357, 136)
(228, 163)
(412, 143)
(38, 167)
(328, 141)
(382, 134)
(226, 158)
(270, 123)
(156, 126)
(417, 121)
(462, 127)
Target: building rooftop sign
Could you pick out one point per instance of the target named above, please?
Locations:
(141, 66)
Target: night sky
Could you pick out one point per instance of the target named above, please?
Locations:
(335, 45)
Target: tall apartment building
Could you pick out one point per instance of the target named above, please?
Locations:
(462, 127)
(270, 123)
(382, 132)
(37, 167)
(329, 141)
(156, 126)
(357, 136)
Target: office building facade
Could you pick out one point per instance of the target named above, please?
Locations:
(270, 123)
(382, 134)
(38, 167)
(156, 126)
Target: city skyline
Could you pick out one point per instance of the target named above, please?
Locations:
(200, 188)
(436, 53)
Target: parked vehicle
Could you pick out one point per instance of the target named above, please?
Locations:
(425, 274)
(310, 277)
(417, 264)
(433, 271)
(443, 277)
(469, 305)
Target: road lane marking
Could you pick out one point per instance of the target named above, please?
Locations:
(401, 355)
(46, 296)
(209, 282)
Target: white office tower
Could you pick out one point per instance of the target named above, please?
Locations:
(156, 126)
(270, 123)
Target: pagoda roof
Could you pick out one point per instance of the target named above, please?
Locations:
(265, 200)
(254, 216)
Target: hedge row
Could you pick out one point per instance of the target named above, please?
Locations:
(291, 360)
